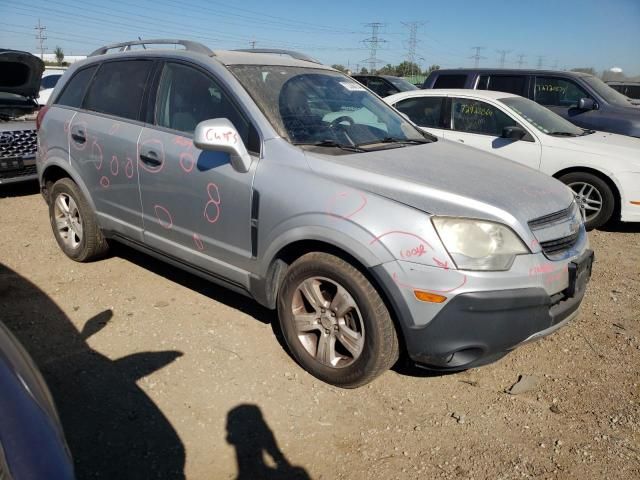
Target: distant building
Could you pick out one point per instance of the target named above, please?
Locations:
(50, 57)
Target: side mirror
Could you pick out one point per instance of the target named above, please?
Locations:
(586, 104)
(514, 133)
(219, 134)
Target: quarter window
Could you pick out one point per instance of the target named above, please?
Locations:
(423, 111)
(558, 92)
(503, 83)
(49, 81)
(473, 116)
(450, 81)
(187, 96)
(74, 89)
(118, 88)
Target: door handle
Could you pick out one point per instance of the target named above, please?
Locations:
(150, 158)
(78, 136)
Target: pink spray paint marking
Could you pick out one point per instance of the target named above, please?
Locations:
(115, 126)
(96, 150)
(413, 252)
(105, 182)
(187, 162)
(548, 273)
(156, 145)
(354, 201)
(411, 287)
(215, 133)
(66, 126)
(400, 232)
(115, 166)
(128, 168)
(167, 221)
(214, 202)
(535, 244)
(198, 242)
(441, 264)
(183, 141)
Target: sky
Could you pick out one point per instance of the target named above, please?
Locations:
(566, 33)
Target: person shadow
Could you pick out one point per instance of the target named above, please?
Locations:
(112, 427)
(255, 443)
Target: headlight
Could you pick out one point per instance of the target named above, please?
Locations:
(479, 244)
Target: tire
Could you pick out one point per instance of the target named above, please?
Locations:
(593, 189)
(74, 223)
(361, 329)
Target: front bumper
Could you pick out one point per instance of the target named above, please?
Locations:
(476, 327)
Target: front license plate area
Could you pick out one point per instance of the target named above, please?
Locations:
(579, 274)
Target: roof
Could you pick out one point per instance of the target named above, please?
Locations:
(504, 71)
(481, 94)
(233, 57)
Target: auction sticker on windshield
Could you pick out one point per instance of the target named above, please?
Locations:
(352, 86)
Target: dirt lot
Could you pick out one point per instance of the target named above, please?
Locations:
(157, 374)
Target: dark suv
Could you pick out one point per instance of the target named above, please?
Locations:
(581, 98)
(385, 85)
(20, 74)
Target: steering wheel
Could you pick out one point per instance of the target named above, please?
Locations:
(343, 118)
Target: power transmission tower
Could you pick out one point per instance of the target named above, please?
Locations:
(41, 38)
(253, 44)
(521, 60)
(503, 55)
(539, 64)
(477, 57)
(373, 42)
(412, 43)
(555, 64)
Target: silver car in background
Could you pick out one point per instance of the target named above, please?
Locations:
(293, 184)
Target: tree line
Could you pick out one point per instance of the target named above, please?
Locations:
(403, 69)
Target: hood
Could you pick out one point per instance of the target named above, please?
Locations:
(20, 73)
(603, 144)
(446, 178)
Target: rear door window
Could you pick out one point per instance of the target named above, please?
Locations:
(423, 111)
(73, 92)
(503, 83)
(560, 92)
(118, 87)
(450, 81)
(473, 116)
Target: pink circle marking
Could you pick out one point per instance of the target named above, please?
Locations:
(187, 162)
(198, 242)
(115, 166)
(128, 168)
(96, 149)
(105, 182)
(214, 199)
(167, 222)
(158, 145)
(345, 195)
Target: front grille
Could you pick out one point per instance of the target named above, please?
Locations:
(18, 143)
(552, 218)
(23, 172)
(559, 244)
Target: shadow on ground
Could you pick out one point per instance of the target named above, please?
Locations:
(257, 452)
(114, 430)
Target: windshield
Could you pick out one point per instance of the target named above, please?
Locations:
(541, 118)
(318, 107)
(606, 92)
(401, 84)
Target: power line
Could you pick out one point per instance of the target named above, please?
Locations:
(539, 64)
(477, 57)
(503, 55)
(373, 42)
(41, 38)
(412, 43)
(521, 60)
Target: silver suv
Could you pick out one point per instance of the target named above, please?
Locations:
(287, 181)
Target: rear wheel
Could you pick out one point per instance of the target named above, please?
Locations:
(334, 321)
(594, 195)
(74, 224)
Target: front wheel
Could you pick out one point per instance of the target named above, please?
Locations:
(334, 322)
(594, 195)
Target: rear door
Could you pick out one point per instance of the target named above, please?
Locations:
(427, 112)
(196, 207)
(479, 124)
(103, 141)
(516, 84)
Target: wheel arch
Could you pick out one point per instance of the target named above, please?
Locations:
(55, 171)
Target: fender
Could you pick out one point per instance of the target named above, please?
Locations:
(71, 173)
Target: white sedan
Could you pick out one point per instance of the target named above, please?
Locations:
(602, 168)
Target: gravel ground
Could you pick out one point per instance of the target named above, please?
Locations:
(157, 374)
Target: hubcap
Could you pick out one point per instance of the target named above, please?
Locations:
(588, 197)
(68, 221)
(328, 322)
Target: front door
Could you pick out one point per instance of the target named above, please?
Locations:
(479, 124)
(561, 95)
(196, 207)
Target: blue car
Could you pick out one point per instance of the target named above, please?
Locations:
(32, 443)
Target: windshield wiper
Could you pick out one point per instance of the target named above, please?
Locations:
(587, 131)
(396, 140)
(563, 134)
(333, 144)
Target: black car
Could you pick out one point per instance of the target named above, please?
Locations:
(20, 74)
(385, 85)
(32, 444)
(581, 98)
(629, 89)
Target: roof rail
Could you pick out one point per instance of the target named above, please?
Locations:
(291, 53)
(125, 46)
